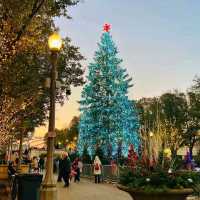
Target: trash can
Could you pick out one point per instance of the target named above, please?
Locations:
(29, 186)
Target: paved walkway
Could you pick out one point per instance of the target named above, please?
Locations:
(87, 190)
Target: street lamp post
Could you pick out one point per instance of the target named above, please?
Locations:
(48, 189)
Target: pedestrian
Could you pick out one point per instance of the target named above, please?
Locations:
(41, 163)
(66, 169)
(97, 169)
(60, 164)
(55, 170)
(35, 164)
(76, 169)
(57, 163)
(11, 169)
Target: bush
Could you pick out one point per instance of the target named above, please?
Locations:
(158, 181)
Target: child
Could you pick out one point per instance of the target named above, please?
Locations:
(97, 169)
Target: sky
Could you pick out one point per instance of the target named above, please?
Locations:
(159, 42)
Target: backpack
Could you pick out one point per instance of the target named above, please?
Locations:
(96, 167)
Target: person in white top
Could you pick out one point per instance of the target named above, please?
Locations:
(97, 169)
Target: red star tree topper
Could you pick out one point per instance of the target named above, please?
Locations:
(106, 27)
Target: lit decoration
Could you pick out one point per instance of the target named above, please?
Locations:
(9, 118)
(107, 114)
(132, 157)
(167, 152)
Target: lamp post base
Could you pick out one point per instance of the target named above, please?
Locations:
(48, 192)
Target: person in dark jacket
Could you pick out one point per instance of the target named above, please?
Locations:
(60, 163)
(41, 164)
(66, 169)
(11, 170)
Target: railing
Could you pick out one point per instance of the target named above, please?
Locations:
(109, 172)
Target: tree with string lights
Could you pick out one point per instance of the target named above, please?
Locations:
(108, 118)
(24, 63)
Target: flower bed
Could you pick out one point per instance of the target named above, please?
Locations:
(158, 184)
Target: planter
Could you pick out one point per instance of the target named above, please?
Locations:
(24, 169)
(171, 194)
(4, 171)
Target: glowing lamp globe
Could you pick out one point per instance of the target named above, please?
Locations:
(55, 42)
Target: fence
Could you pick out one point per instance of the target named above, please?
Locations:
(109, 172)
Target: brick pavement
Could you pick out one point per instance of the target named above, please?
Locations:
(87, 190)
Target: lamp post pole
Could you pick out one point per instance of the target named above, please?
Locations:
(48, 189)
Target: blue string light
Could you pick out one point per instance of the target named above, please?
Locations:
(108, 117)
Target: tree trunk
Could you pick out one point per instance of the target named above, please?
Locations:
(20, 151)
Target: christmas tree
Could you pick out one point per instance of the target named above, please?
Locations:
(107, 115)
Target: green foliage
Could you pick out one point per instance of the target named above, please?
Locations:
(43, 155)
(86, 159)
(100, 153)
(174, 106)
(60, 138)
(24, 62)
(158, 181)
(178, 163)
(191, 137)
(72, 132)
(107, 114)
(174, 115)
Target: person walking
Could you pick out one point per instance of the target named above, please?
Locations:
(60, 164)
(35, 165)
(76, 169)
(97, 169)
(11, 169)
(41, 163)
(66, 169)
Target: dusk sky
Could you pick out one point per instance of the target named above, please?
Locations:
(159, 42)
